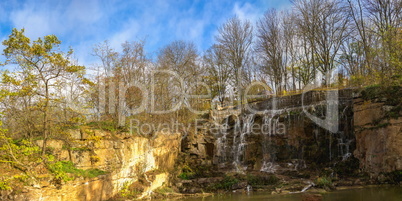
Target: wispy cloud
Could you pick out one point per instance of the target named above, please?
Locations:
(247, 11)
(81, 24)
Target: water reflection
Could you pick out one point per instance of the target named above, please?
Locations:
(365, 194)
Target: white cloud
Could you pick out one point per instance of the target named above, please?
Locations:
(35, 24)
(81, 24)
(127, 33)
(76, 23)
(247, 11)
(74, 19)
(85, 12)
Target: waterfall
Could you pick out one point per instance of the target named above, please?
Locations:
(282, 116)
(239, 141)
(344, 148)
(220, 146)
(344, 142)
(268, 163)
(249, 188)
(222, 142)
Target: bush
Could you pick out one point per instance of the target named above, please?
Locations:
(348, 167)
(324, 182)
(392, 93)
(21, 153)
(4, 185)
(225, 184)
(186, 173)
(394, 177)
(371, 92)
(127, 192)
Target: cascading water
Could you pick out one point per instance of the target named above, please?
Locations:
(268, 161)
(249, 188)
(344, 142)
(222, 142)
(344, 148)
(304, 142)
(239, 141)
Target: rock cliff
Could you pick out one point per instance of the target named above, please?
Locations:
(126, 158)
(279, 136)
(378, 130)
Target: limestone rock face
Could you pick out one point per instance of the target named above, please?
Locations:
(378, 138)
(125, 157)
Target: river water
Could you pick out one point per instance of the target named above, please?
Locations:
(364, 194)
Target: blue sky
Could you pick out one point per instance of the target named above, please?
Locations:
(82, 23)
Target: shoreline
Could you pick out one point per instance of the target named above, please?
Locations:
(313, 190)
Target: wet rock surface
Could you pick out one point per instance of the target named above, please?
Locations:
(305, 150)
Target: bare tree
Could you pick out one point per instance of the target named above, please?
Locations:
(324, 25)
(290, 47)
(362, 39)
(181, 59)
(235, 38)
(271, 46)
(132, 62)
(219, 72)
(107, 55)
(307, 24)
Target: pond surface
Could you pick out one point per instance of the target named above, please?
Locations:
(362, 194)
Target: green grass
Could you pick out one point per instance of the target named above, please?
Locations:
(66, 171)
(254, 180)
(103, 125)
(392, 93)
